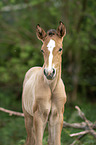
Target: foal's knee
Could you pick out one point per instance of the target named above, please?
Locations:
(45, 115)
(44, 112)
(56, 117)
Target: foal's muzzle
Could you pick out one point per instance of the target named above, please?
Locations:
(50, 75)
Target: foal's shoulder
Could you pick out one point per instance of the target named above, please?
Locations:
(31, 71)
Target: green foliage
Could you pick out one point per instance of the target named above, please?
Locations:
(13, 130)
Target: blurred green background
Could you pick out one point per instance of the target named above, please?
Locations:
(20, 50)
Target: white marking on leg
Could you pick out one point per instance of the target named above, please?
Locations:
(50, 46)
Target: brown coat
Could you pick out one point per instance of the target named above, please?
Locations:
(44, 96)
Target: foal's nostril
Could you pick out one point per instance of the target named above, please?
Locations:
(45, 73)
(50, 74)
(53, 71)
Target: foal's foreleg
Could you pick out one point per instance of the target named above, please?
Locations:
(55, 127)
(38, 128)
(39, 122)
(29, 128)
(35, 128)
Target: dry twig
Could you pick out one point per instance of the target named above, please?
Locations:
(81, 125)
(79, 133)
(11, 112)
(88, 123)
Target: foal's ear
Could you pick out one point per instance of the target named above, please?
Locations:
(41, 34)
(61, 30)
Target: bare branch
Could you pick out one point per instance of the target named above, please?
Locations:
(81, 114)
(81, 125)
(12, 112)
(79, 133)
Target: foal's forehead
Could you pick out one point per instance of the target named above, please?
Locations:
(52, 42)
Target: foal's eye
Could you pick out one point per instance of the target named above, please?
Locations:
(60, 49)
(42, 51)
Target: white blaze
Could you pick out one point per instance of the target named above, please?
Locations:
(50, 46)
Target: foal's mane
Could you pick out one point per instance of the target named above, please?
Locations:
(51, 32)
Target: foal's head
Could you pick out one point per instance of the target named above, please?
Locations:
(51, 49)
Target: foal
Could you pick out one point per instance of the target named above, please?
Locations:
(44, 94)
